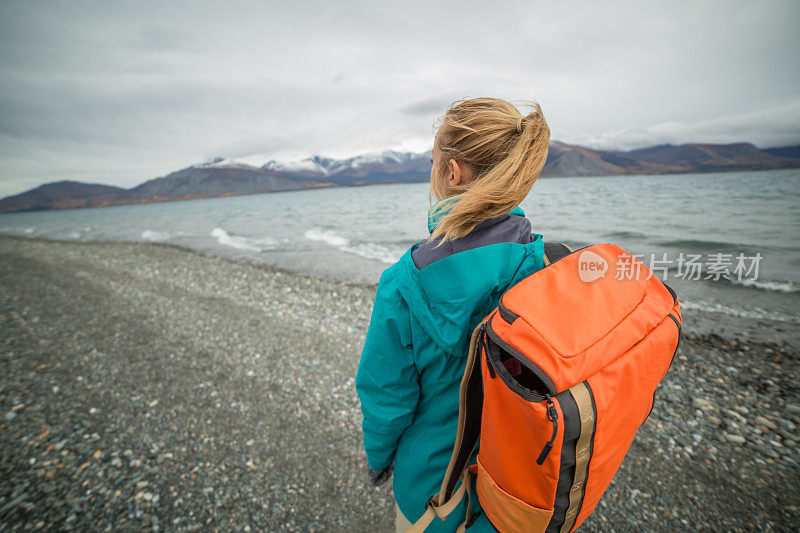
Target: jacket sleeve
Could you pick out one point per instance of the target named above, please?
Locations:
(387, 381)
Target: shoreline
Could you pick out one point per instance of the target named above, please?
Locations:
(698, 323)
(159, 388)
(199, 253)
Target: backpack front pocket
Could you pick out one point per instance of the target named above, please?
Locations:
(507, 512)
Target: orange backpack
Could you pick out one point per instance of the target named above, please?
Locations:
(559, 378)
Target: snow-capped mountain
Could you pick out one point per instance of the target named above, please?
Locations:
(355, 168)
(314, 165)
(227, 177)
(221, 162)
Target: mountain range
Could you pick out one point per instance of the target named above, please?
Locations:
(223, 177)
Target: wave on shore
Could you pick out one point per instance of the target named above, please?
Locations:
(155, 236)
(243, 243)
(768, 285)
(328, 237)
(367, 250)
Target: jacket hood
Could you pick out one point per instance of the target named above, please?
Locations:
(462, 288)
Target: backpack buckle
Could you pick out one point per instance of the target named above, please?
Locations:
(430, 503)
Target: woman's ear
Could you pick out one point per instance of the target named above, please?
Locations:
(456, 173)
(460, 173)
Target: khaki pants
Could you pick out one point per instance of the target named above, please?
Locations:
(401, 523)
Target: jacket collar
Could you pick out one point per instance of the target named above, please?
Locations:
(441, 208)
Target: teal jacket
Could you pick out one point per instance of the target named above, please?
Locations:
(414, 356)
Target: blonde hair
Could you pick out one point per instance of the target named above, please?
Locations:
(505, 152)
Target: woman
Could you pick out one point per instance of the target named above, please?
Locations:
(486, 157)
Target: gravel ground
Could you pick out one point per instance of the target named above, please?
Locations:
(146, 387)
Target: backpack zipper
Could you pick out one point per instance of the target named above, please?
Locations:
(485, 345)
(552, 415)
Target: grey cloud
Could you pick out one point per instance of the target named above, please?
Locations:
(119, 92)
(428, 106)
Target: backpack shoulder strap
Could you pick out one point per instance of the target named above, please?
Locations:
(553, 251)
(470, 405)
(467, 435)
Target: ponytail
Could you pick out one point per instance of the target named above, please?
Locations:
(506, 153)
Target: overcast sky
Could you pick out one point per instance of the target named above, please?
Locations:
(121, 92)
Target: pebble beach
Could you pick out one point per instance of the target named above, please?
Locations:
(146, 387)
